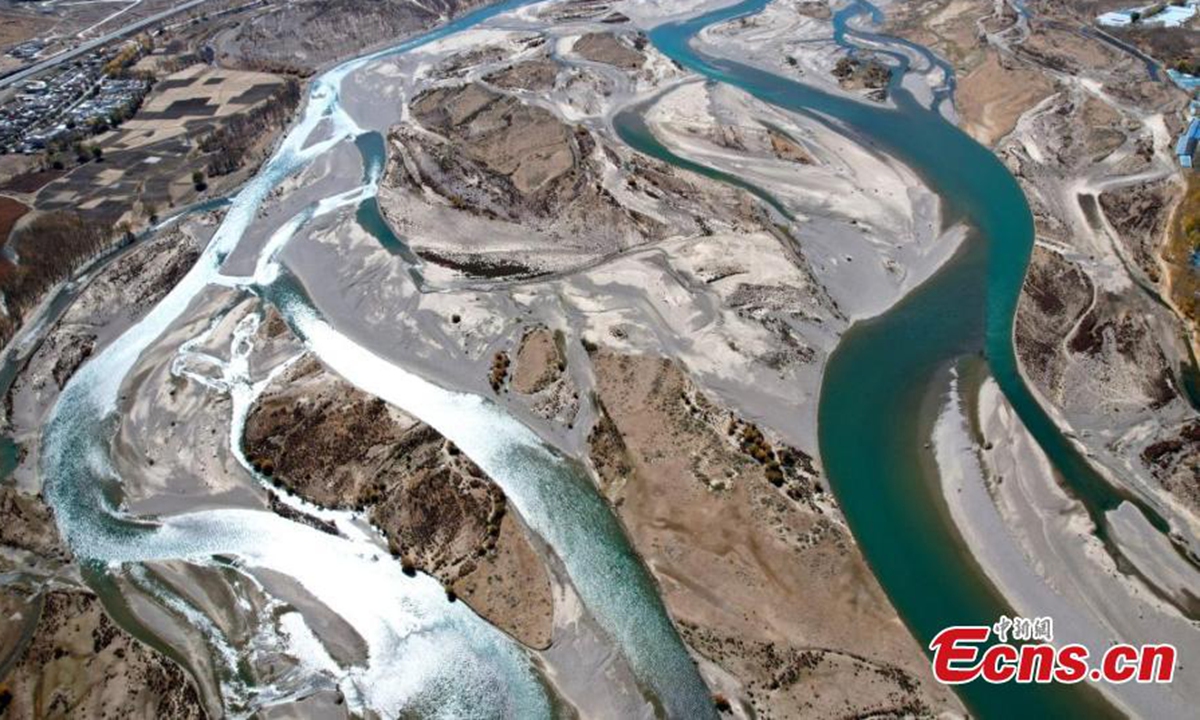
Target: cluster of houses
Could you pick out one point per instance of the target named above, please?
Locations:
(28, 50)
(1171, 15)
(1185, 148)
(71, 103)
(1165, 14)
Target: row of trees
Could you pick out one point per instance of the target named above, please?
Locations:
(56, 157)
(230, 143)
(51, 247)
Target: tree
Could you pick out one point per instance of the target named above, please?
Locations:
(199, 181)
(97, 153)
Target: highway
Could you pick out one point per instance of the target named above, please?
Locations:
(86, 47)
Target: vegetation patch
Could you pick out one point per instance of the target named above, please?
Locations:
(50, 247)
(1182, 254)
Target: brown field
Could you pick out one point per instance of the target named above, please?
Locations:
(993, 96)
(149, 160)
(10, 212)
(19, 25)
(946, 26)
(189, 101)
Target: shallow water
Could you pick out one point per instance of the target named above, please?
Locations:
(427, 656)
(872, 429)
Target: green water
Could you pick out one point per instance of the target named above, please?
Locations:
(872, 428)
(631, 126)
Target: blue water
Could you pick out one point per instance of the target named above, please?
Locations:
(870, 421)
(554, 495)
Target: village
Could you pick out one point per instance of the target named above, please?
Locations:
(73, 101)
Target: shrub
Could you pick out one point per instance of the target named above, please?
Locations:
(721, 703)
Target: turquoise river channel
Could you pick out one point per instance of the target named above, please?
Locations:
(873, 420)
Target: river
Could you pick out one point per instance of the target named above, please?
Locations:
(425, 655)
(449, 663)
(874, 421)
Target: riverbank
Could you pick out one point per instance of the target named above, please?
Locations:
(693, 255)
(1037, 543)
(1096, 344)
(453, 335)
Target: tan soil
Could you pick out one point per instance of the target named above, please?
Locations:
(525, 143)
(539, 362)
(533, 75)
(949, 27)
(336, 446)
(1057, 48)
(79, 664)
(993, 96)
(786, 149)
(764, 581)
(12, 166)
(608, 49)
(17, 26)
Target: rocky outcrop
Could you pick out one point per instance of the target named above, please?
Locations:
(301, 36)
(525, 144)
(506, 159)
(533, 75)
(1056, 294)
(1174, 460)
(540, 377)
(1139, 214)
(480, 158)
(29, 525)
(319, 437)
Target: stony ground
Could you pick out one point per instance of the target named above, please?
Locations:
(318, 437)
